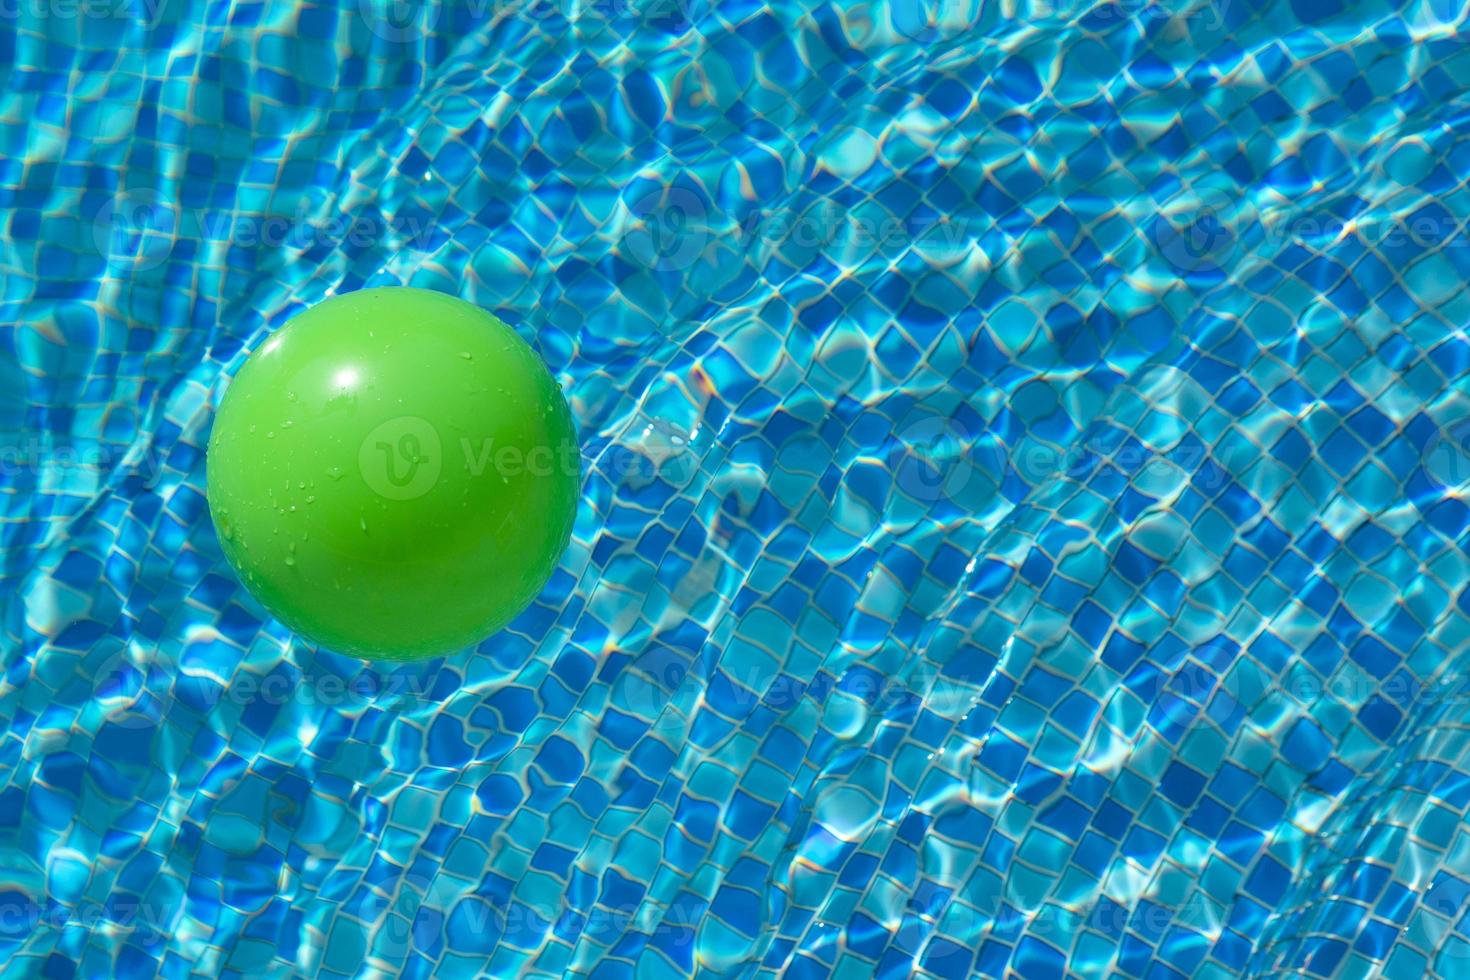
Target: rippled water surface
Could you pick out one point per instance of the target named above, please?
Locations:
(1024, 526)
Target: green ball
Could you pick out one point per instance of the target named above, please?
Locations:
(393, 474)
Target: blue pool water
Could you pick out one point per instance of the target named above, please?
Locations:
(1025, 514)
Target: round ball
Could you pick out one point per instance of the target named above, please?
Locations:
(393, 474)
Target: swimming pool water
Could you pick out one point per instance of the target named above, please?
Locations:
(1024, 527)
